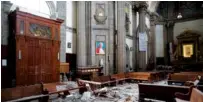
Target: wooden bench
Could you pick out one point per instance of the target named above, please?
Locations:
(24, 93)
(194, 96)
(160, 92)
(198, 73)
(98, 82)
(141, 76)
(181, 78)
(120, 77)
(59, 87)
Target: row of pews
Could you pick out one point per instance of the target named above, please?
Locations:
(114, 79)
(169, 93)
(182, 78)
(166, 92)
(177, 89)
(40, 92)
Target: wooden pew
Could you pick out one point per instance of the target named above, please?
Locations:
(59, 87)
(181, 78)
(98, 82)
(142, 76)
(160, 92)
(198, 73)
(25, 93)
(139, 76)
(120, 77)
(195, 96)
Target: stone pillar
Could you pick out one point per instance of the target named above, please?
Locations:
(135, 44)
(169, 35)
(121, 54)
(153, 20)
(81, 36)
(142, 13)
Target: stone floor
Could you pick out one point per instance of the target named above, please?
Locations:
(127, 92)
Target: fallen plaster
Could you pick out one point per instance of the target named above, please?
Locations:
(127, 92)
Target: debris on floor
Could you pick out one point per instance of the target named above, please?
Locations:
(127, 92)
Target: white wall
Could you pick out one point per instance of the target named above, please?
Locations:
(71, 15)
(196, 25)
(159, 41)
(36, 7)
(71, 21)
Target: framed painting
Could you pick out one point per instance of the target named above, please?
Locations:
(100, 47)
(187, 50)
(69, 45)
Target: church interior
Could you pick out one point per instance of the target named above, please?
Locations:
(101, 51)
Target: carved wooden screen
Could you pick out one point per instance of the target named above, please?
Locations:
(37, 48)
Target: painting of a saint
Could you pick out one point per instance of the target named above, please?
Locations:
(100, 47)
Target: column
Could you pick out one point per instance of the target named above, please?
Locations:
(142, 13)
(153, 21)
(121, 54)
(135, 44)
(81, 36)
(168, 49)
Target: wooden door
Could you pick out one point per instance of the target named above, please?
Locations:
(34, 61)
(46, 60)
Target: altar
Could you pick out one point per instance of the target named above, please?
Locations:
(187, 53)
(88, 72)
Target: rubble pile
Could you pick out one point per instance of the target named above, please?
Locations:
(120, 93)
(127, 92)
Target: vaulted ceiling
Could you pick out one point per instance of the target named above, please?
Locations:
(188, 9)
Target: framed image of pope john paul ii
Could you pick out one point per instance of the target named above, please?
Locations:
(100, 47)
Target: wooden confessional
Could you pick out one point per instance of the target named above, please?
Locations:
(34, 48)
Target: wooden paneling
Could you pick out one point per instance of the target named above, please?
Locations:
(37, 49)
(5, 77)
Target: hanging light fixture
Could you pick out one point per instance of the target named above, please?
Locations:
(179, 14)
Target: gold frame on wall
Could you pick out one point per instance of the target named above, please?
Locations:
(188, 50)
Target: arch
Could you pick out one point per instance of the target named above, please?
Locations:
(52, 8)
